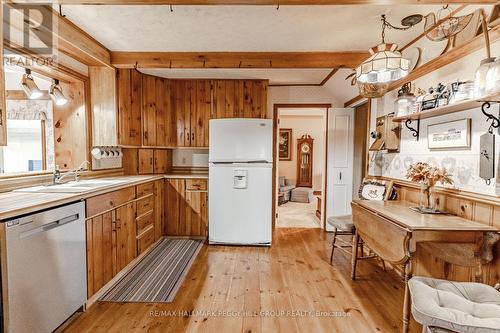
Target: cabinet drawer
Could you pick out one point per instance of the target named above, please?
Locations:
(107, 201)
(145, 205)
(196, 184)
(145, 240)
(143, 222)
(145, 189)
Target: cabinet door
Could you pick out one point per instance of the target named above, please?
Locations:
(181, 101)
(239, 99)
(146, 161)
(3, 106)
(129, 86)
(225, 99)
(103, 105)
(149, 110)
(175, 206)
(161, 160)
(159, 189)
(126, 243)
(162, 112)
(196, 207)
(200, 116)
(101, 251)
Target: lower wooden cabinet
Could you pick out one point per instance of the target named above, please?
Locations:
(117, 231)
(126, 245)
(186, 208)
(101, 251)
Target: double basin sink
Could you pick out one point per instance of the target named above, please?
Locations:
(74, 186)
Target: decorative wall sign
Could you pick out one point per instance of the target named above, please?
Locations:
(285, 149)
(451, 134)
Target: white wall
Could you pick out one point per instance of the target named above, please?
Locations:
(463, 164)
(302, 124)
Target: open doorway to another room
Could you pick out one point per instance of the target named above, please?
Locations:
(301, 166)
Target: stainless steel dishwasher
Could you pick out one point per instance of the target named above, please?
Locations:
(46, 268)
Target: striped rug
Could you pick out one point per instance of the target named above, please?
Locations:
(158, 275)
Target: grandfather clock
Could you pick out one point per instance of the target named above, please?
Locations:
(304, 161)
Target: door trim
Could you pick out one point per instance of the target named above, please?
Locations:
(276, 108)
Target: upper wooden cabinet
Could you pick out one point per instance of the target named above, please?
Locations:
(158, 127)
(3, 106)
(129, 87)
(176, 113)
(192, 104)
(239, 99)
(103, 105)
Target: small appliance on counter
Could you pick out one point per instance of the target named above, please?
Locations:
(240, 181)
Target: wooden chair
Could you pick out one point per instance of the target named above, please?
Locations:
(370, 189)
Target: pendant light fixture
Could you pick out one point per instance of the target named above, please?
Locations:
(56, 93)
(385, 63)
(29, 86)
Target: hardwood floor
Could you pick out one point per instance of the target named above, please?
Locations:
(293, 275)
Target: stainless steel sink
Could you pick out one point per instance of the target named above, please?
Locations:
(72, 187)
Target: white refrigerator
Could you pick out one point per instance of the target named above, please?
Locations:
(240, 181)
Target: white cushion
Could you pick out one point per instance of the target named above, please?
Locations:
(456, 306)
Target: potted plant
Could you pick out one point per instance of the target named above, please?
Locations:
(428, 176)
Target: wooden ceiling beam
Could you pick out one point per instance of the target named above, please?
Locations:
(252, 2)
(237, 59)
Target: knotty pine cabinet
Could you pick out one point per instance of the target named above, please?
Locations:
(157, 112)
(121, 225)
(186, 207)
(192, 102)
(239, 99)
(129, 91)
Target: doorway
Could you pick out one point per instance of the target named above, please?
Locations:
(301, 140)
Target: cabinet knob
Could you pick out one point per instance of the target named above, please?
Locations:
(192, 136)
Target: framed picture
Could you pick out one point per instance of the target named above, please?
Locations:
(450, 134)
(285, 138)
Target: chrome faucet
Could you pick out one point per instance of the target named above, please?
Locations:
(58, 178)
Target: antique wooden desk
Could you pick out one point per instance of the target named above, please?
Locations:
(392, 231)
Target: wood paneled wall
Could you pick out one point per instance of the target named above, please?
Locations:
(70, 127)
(479, 208)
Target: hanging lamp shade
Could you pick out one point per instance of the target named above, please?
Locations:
(384, 65)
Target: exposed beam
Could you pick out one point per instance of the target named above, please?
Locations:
(252, 2)
(68, 38)
(322, 83)
(451, 56)
(329, 76)
(237, 59)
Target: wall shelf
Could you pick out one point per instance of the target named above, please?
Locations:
(447, 109)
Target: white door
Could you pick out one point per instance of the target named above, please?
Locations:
(340, 162)
(240, 203)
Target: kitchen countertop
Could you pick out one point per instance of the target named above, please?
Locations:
(13, 204)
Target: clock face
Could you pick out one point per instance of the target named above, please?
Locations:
(305, 148)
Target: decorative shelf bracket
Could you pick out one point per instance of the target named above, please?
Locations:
(495, 121)
(415, 131)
